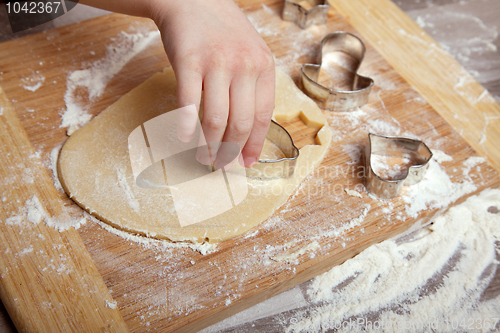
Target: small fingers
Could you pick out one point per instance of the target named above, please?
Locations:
(187, 118)
(241, 115)
(215, 114)
(189, 84)
(264, 106)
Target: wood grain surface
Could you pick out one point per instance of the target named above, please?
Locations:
(163, 288)
(49, 281)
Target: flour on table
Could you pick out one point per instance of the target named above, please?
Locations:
(474, 48)
(95, 78)
(436, 278)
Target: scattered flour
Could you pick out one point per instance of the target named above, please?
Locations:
(471, 162)
(427, 284)
(440, 156)
(111, 304)
(379, 126)
(202, 248)
(34, 212)
(95, 78)
(436, 190)
(475, 47)
(349, 225)
(355, 152)
(33, 83)
(302, 42)
(122, 182)
(54, 154)
(1, 111)
(311, 247)
(26, 250)
(353, 193)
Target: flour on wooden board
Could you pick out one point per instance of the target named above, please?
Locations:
(95, 78)
(311, 247)
(302, 42)
(203, 248)
(33, 211)
(54, 155)
(353, 193)
(34, 82)
(436, 190)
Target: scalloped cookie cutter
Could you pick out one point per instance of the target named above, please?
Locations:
(279, 168)
(332, 99)
(414, 150)
(306, 12)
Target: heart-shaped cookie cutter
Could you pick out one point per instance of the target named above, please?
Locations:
(332, 99)
(278, 168)
(414, 150)
(306, 12)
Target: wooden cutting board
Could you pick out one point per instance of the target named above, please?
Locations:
(53, 281)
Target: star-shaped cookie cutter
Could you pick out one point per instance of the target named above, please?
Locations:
(306, 12)
(414, 150)
(332, 99)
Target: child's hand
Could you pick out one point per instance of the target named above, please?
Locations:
(213, 47)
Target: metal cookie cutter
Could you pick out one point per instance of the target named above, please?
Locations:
(405, 148)
(280, 168)
(332, 99)
(306, 12)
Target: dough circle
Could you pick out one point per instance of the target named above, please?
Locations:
(95, 170)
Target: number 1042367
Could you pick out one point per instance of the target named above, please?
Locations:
(33, 7)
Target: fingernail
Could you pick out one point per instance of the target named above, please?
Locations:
(250, 161)
(203, 159)
(184, 138)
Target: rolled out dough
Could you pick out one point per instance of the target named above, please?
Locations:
(95, 169)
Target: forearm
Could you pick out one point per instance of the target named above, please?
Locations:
(143, 8)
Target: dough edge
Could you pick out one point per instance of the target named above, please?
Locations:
(310, 157)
